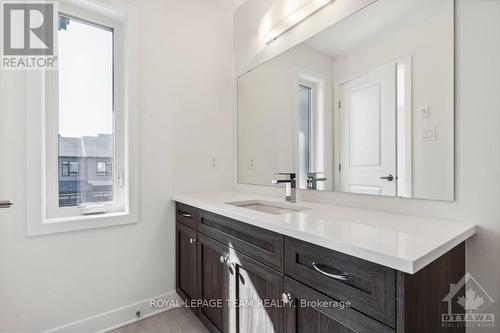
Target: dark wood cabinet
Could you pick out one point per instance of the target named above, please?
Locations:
(238, 275)
(257, 291)
(309, 311)
(186, 262)
(213, 284)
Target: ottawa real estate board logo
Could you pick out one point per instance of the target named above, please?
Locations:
(28, 35)
(467, 305)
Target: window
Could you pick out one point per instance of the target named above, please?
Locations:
(83, 122)
(70, 168)
(104, 168)
(86, 98)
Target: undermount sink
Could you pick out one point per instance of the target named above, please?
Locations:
(274, 208)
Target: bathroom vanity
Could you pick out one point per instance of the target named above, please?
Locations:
(358, 108)
(313, 267)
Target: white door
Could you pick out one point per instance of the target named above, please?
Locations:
(12, 173)
(368, 133)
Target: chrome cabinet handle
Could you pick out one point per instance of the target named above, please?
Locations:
(185, 214)
(389, 178)
(341, 277)
(192, 240)
(224, 258)
(6, 203)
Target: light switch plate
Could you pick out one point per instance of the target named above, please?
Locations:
(425, 113)
(428, 134)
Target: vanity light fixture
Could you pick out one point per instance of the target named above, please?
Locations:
(295, 18)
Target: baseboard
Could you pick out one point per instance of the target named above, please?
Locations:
(119, 317)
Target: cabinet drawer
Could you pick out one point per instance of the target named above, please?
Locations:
(313, 312)
(186, 214)
(370, 288)
(260, 244)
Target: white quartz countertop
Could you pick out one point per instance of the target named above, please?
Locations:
(405, 243)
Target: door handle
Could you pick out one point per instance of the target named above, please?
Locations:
(6, 203)
(389, 178)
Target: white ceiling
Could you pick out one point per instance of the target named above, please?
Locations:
(231, 4)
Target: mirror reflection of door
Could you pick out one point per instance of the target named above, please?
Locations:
(368, 151)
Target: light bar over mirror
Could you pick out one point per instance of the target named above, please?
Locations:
(288, 14)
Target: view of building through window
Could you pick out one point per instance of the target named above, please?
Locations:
(85, 113)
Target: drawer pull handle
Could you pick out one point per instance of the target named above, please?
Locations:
(5, 204)
(341, 277)
(185, 214)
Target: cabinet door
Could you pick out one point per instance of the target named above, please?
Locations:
(186, 262)
(309, 311)
(256, 291)
(213, 284)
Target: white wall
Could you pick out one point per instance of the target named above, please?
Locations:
(186, 116)
(477, 134)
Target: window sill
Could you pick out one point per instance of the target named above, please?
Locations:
(84, 217)
(77, 223)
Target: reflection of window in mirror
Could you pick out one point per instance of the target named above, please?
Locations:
(305, 99)
(311, 137)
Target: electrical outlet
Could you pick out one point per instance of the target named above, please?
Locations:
(251, 163)
(214, 163)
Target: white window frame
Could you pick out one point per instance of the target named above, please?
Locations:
(119, 205)
(44, 214)
(321, 101)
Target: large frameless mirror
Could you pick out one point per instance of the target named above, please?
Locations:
(366, 106)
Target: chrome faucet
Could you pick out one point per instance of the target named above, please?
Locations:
(312, 180)
(290, 185)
